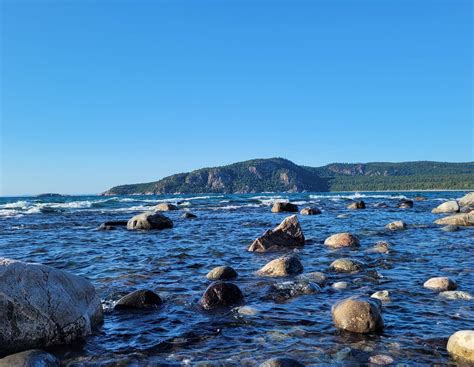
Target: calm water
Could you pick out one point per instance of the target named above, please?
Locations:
(61, 232)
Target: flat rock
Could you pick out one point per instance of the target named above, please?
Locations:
(440, 284)
(461, 345)
(462, 219)
(286, 235)
(42, 306)
(342, 240)
(310, 211)
(140, 299)
(222, 273)
(280, 207)
(282, 266)
(30, 358)
(358, 315)
(221, 294)
(451, 206)
(149, 220)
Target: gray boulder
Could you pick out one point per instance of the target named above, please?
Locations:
(149, 220)
(287, 234)
(42, 306)
(451, 206)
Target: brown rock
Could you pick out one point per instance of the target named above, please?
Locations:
(345, 265)
(221, 294)
(282, 266)
(165, 207)
(461, 345)
(149, 220)
(463, 219)
(280, 207)
(310, 211)
(222, 273)
(358, 315)
(342, 240)
(440, 284)
(140, 299)
(356, 205)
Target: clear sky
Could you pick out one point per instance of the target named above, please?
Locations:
(100, 93)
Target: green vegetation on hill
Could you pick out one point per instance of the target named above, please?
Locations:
(279, 175)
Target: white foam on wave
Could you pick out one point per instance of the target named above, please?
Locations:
(357, 195)
(233, 207)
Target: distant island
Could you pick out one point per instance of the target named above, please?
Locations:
(282, 175)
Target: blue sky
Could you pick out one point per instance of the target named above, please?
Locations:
(99, 93)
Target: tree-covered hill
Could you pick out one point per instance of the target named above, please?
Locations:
(279, 175)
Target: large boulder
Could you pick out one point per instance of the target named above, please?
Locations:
(221, 294)
(310, 211)
(281, 267)
(463, 219)
(342, 240)
(165, 207)
(280, 207)
(287, 234)
(149, 220)
(356, 205)
(451, 206)
(467, 200)
(30, 358)
(42, 306)
(222, 273)
(461, 345)
(358, 315)
(140, 299)
(440, 284)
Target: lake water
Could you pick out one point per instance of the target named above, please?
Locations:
(61, 232)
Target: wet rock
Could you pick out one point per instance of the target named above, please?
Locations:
(420, 198)
(381, 359)
(222, 273)
(345, 265)
(397, 225)
(104, 227)
(381, 247)
(356, 205)
(451, 206)
(340, 285)
(281, 362)
(42, 306)
(280, 207)
(383, 296)
(140, 299)
(149, 220)
(461, 345)
(440, 284)
(165, 207)
(310, 211)
(30, 358)
(467, 200)
(109, 225)
(188, 215)
(221, 294)
(283, 291)
(463, 219)
(466, 209)
(405, 204)
(450, 228)
(316, 276)
(456, 295)
(287, 234)
(358, 315)
(342, 240)
(282, 266)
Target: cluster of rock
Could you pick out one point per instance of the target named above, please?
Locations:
(464, 209)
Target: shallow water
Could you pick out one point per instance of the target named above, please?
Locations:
(61, 232)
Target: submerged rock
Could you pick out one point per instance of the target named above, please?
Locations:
(405, 204)
(381, 359)
(286, 290)
(342, 240)
(165, 207)
(381, 247)
(287, 234)
(109, 225)
(461, 345)
(456, 295)
(188, 215)
(345, 265)
(221, 294)
(358, 315)
(440, 284)
(42, 306)
(397, 225)
(450, 228)
(340, 285)
(467, 200)
(282, 266)
(222, 273)
(420, 198)
(310, 211)
(281, 362)
(316, 276)
(451, 206)
(140, 299)
(280, 207)
(463, 219)
(149, 220)
(30, 358)
(356, 205)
